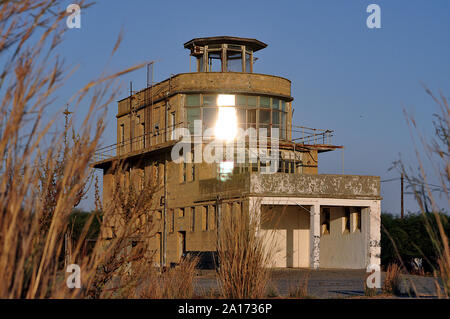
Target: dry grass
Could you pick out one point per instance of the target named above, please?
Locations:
(392, 281)
(42, 175)
(243, 256)
(436, 152)
(174, 283)
(300, 289)
(272, 291)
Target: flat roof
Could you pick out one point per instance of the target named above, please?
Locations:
(253, 44)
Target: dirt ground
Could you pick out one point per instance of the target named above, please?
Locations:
(323, 283)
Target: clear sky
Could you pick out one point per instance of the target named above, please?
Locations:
(345, 76)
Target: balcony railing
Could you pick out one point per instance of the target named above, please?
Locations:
(137, 143)
(301, 135)
(311, 136)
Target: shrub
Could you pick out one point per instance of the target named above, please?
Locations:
(243, 256)
(300, 289)
(392, 282)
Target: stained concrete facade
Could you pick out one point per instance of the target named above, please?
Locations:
(316, 220)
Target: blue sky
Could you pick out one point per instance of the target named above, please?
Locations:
(345, 77)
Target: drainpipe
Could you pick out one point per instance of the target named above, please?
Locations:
(218, 210)
(165, 213)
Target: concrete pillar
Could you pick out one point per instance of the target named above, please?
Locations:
(314, 227)
(374, 240)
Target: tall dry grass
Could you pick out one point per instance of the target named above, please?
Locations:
(299, 289)
(392, 281)
(244, 256)
(174, 283)
(41, 180)
(435, 152)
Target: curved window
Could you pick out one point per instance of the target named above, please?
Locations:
(251, 110)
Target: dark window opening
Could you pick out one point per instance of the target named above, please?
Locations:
(347, 219)
(192, 219)
(358, 219)
(325, 221)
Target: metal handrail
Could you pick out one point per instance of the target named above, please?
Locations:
(309, 136)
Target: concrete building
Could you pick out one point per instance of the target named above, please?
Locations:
(329, 221)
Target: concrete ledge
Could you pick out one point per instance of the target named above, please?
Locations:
(299, 185)
(329, 186)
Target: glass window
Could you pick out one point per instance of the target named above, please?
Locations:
(215, 61)
(252, 100)
(264, 101)
(209, 100)
(248, 62)
(275, 103)
(264, 117)
(241, 100)
(200, 64)
(283, 129)
(241, 118)
(192, 115)
(234, 61)
(251, 116)
(276, 118)
(209, 117)
(283, 105)
(193, 100)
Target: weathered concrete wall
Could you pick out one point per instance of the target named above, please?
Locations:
(286, 232)
(339, 249)
(198, 194)
(330, 186)
(237, 185)
(353, 249)
(212, 82)
(285, 184)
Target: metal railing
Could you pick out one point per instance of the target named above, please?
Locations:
(137, 143)
(300, 135)
(311, 136)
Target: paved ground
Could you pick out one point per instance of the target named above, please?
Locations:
(323, 283)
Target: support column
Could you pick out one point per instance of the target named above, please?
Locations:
(374, 240)
(314, 229)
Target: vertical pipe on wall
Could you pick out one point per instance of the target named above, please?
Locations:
(165, 212)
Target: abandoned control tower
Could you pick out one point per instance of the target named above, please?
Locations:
(327, 221)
